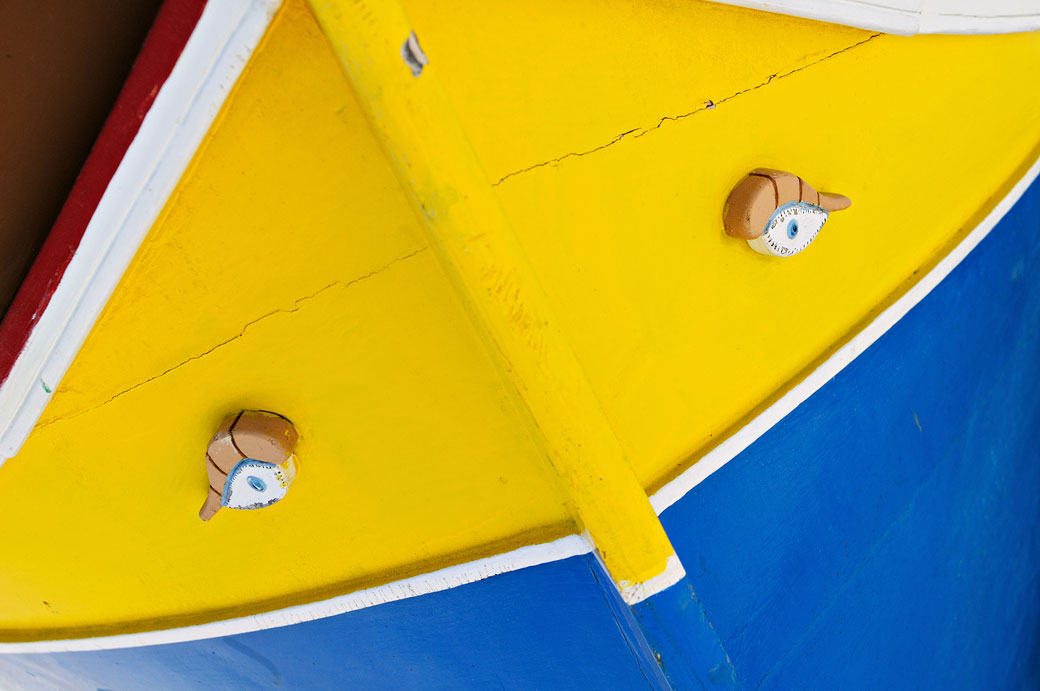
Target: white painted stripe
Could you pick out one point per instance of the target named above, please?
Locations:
(443, 579)
(187, 103)
(908, 17)
(728, 449)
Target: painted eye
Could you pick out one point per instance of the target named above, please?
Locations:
(250, 461)
(790, 229)
(253, 484)
(778, 213)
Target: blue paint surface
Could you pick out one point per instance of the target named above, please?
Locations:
(545, 627)
(886, 534)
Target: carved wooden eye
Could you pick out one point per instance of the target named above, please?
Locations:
(250, 462)
(778, 213)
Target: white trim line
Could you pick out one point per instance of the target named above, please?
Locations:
(187, 103)
(634, 593)
(909, 17)
(443, 579)
(733, 445)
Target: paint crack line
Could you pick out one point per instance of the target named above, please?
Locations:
(297, 304)
(708, 105)
(876, 545)
(556, 161)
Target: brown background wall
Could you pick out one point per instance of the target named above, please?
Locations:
(62, 63)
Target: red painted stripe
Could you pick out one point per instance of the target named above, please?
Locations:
(173, 26)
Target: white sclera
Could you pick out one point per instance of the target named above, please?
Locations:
(790, 229)
(255, 484)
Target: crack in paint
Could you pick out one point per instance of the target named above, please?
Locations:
(620, 628)
(708, 105)
(874, 548)
(958, 442)
(256, 656)
(825, 608)
(295, 308)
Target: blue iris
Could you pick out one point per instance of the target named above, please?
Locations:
(256, 483)
(792, 228)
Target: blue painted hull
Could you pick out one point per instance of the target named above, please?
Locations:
(882, 536)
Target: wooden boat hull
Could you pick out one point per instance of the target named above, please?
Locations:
(556, 428)
(884, 525)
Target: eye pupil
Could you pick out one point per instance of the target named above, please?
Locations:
(256, 483)
(792, 228)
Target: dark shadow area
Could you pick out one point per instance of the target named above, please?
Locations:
(62, 64)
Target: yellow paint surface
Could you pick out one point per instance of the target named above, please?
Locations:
(289, 272)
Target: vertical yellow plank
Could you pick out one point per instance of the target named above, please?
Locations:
(415, 122)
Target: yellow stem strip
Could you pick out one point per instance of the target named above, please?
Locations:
(415, 122)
